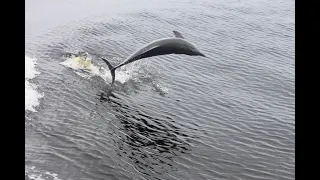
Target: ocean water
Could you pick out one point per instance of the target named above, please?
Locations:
(228, 116)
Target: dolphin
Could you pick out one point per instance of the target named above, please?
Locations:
(176, 45)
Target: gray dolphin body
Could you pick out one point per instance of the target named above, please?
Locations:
(177, 45)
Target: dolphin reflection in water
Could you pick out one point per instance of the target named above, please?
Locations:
(150, 142)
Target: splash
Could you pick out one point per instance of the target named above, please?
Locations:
(31, 95)
(83, 66)
(161, 89)
(34, 174)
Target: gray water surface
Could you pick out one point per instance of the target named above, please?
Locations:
(227, 116)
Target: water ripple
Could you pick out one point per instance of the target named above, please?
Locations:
(227, 116)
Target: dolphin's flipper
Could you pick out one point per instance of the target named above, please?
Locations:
(178, 35)
(156, 51)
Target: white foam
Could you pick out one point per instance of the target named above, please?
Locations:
(86, 69)
(160, 88)
(31, 95)
(35, 174)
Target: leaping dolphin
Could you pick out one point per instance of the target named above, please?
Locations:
(177, 45)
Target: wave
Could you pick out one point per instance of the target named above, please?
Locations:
(32, 96)
(34, 174)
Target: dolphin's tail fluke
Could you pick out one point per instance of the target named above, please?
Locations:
(112, 70)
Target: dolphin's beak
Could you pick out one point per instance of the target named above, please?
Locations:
(201, 54)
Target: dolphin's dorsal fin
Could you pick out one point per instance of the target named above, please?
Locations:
(178, 35)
